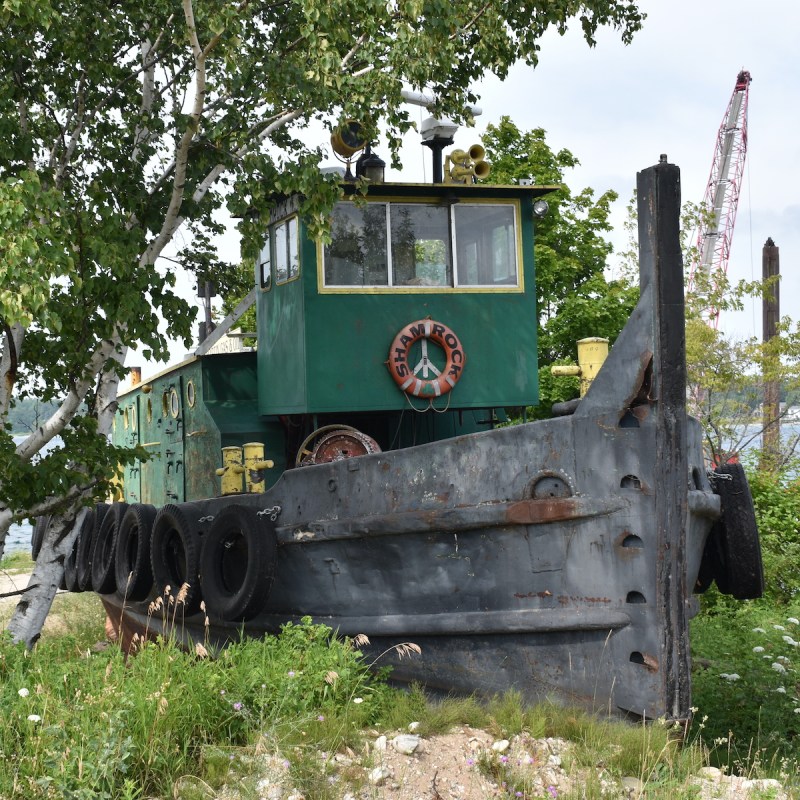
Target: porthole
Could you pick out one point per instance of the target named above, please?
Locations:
(125, 419)
(190, 394)
(174, 403)
(149, 410)
(165, 404)
(133, 418)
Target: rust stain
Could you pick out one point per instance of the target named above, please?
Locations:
(651, 662)
(573, 599)
(531, 595)
(528, 512)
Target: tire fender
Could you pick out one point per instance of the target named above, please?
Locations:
(175, 553)
(132, 568)
(732, 555)
(104, 549)
(237, 566)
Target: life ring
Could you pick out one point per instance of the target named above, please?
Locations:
(407, 377)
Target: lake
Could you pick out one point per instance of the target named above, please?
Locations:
(19, 535)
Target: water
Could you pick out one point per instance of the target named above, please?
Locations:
(19, 538)
(19, 534)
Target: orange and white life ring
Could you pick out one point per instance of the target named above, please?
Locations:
(414, 380)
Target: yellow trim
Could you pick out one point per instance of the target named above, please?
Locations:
(191, 393)
(520, 289)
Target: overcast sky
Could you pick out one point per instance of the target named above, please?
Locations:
(617, 108)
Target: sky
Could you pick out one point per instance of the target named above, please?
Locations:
(618, 108)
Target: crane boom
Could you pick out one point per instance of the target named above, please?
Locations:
(715, 230)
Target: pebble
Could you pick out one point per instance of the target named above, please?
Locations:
(380, 744)
(501, 746)
(379, 775)
(413, 727)
(405, 743)
(633, 787)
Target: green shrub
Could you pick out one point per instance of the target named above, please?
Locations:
(84, 724)
(777, 503)
(746, 682)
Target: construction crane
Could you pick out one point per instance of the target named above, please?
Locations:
(712, 239)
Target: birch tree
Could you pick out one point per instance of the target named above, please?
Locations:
(126, 127)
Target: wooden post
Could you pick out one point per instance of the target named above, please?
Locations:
(771, 418)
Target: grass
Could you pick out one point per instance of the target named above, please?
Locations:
(17, 562)
(80, 721)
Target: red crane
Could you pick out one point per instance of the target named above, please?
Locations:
(712, 239)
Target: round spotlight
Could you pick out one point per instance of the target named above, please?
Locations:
(540, 208)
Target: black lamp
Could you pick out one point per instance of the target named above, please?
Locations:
(370, 166)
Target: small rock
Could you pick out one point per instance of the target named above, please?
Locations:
(763, 785)
(710, 773)
(413, 727)
(405, 743)
(633, 787)
(296, 796)
(554, 761)
(380, 744)
(501, 746)
(379, 775)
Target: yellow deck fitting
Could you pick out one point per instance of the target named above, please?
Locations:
(592, 352)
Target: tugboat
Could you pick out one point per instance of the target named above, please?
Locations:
(356, 468)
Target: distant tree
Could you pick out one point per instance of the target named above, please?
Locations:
(726, 373)
(575, 298)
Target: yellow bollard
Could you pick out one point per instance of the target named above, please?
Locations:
(254, 465)
(232, 470)
(592, 352)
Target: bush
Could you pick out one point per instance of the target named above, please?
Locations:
(100, 726)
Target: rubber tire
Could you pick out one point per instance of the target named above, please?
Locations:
(133, 573)
(70, 580)
(237, 566)
(733, 549)
(175, 554)
(37, 537)
(86, 546)
(104, 580)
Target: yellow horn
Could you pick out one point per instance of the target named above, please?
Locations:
(476, 152)
(482, 169)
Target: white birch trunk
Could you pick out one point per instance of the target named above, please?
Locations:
(34, 606)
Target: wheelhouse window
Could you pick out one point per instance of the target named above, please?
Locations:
(402, 244)
(487, 245)
(281, 248)
(420, 236)
(357, 254)
(287, 261)
(264, 264)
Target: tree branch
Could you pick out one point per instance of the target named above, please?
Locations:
(109, 349)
